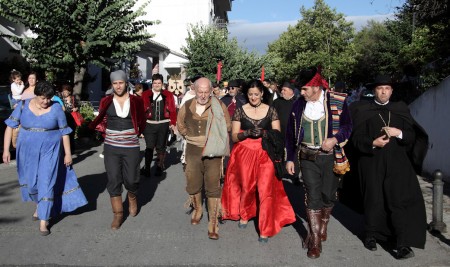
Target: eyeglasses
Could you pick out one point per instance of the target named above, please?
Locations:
(232, 88)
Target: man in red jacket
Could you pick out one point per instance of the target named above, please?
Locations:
(161, 114)
(125, 121)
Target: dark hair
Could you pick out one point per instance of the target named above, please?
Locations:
(14, 74)
(44, 89)
(257, 84)
(157, 76)
(67, 87)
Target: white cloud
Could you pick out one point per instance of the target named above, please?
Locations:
(256, 36)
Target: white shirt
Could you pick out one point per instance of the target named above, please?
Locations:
(315, 110)
(17, 90)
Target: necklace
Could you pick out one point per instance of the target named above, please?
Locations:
(256, 106)
(389, 119)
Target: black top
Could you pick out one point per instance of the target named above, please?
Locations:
(249, 123)
(117, 123)
(283, 108)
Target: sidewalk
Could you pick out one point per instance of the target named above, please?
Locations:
(427, 190)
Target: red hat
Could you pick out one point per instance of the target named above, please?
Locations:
(312, 77)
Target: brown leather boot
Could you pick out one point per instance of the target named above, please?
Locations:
(326, 212)
(132, 204)
(213, 212)
(313, 240)
(117, 207)
(197, 213)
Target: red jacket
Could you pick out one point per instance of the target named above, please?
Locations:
(170, 111)
(136, 109)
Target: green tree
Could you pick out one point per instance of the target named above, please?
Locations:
(206, 45)
(71, 34)
(322, 37)
(377, 50)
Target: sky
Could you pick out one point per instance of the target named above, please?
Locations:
(255, 23)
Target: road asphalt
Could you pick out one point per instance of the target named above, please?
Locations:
(161, 234)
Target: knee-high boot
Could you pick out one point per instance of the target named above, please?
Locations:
(197, 205)
(148, 162)
(160, 163)
(313, 240)
(326, 212)
(117, 207)
(213, 212)
(132, 204)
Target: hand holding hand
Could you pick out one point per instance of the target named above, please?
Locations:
(328, 144)
(256, 132)
(380, 141)
(395, 132)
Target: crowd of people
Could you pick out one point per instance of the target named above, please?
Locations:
(239, 145)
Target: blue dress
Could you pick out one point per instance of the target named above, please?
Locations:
(43, 176)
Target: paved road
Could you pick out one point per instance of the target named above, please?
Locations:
(161, 234)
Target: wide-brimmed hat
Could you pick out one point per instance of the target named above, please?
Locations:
(380, 79)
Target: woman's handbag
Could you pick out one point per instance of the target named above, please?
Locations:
(77, 117)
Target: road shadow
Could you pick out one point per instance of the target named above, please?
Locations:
(296, 196)
(85, 154)
(92, 185)
(149, 185)
(7, 190)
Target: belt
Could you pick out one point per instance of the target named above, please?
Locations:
(318, 150)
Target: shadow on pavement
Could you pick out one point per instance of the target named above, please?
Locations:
(7, 192)
(296, 195)
(92, 186)
(149, 185)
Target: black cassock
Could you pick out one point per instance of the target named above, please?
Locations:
(393, 201)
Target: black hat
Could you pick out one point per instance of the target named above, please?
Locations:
(288, 85)
(233, 83)
(305, 75)
(380, 79)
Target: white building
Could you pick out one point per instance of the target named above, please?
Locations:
(163, 52)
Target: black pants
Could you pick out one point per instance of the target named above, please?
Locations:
(122, 166)
(320, 182)
(156, 136)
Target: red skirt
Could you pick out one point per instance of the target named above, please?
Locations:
(251, 189)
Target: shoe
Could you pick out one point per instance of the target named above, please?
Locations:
(404, 253)
(242, 225)
(101, 155)
(44, 233)
(263, 239)
(34, 218)
(370, 243)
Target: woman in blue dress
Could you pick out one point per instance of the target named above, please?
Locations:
(43, 156)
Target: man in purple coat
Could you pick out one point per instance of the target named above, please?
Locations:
(319, 126)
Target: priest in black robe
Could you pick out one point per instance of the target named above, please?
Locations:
(390, 145)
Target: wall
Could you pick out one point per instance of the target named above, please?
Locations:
(432, 110)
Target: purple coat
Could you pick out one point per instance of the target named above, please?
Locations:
(294, 135)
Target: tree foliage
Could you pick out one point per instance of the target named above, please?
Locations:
(206, 45)
(322, 37)
(70, 34)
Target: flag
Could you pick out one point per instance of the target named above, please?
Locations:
(219, 71)
(262, 73)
